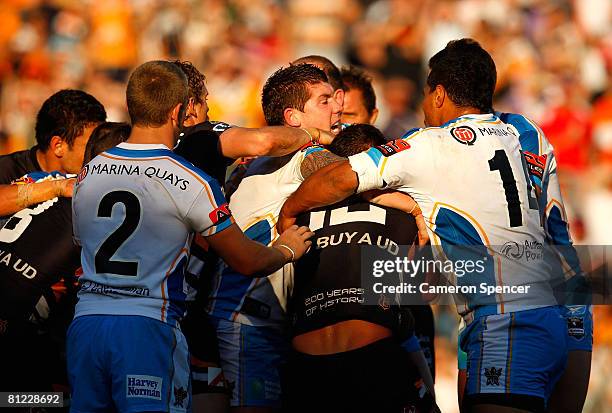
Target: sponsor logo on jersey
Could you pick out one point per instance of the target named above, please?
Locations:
(82, 174)
(393, 147)
(220, 126)
(464, 135)
(531, 250)
(535, 163)
(220, 214)
(146, 387)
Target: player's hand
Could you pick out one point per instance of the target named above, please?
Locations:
(422, 227)
(293, 242)
(65, 187)
(326, 138)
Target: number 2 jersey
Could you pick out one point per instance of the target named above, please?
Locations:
(470, 179)
(135, 209)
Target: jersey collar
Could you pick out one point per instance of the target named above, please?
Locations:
(481, 117)
(141, 146)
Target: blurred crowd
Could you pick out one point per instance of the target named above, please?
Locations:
(554, 62)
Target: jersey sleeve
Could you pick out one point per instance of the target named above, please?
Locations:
(200, 146)
(209, 213)
(396, 164)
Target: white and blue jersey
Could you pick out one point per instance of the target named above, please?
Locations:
(542, 166)
(469, 180)
(255, 205)
(135, 208)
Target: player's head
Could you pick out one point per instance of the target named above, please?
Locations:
(300, 96)
(105, 136)
(331, 70)
(359, 97)
(355, 139)
(157, 95)
(461, 76)
(64, 123)
(198, 109)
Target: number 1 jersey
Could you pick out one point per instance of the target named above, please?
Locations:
(135, 208)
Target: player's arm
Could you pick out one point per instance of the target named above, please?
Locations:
(317, 158)
(249, 257)
(238, 142)
(14, 198)
(403, 202)
(385, 166)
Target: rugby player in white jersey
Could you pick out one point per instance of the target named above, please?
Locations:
(213, 147)
(135, 210)
(466, 172)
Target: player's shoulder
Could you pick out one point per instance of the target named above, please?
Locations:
(208, 127)
(14, 165)
(531, 137)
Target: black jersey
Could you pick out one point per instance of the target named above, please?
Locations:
(327, 282)
(17, 164)
(36, 251)
(200, 145)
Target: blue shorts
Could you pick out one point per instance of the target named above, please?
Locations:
(127, 364)
(579, 322)
(522, 354)
(251, 359)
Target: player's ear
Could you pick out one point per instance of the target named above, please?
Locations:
(439, 96)
(374, 116)
(175, 115)
(58, 145)
(339, 97)
(292, 117)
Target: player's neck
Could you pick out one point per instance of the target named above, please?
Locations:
(146, 135)
(48, 161)
(456, 111)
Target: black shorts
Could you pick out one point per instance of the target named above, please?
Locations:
(375, 378)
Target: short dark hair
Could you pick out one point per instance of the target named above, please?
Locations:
(288, 88)
(330, 69)
(105, 136)
(154, 89)
(356, 138)
(467, 72)
(66, 113)
(357, 78)
(195, 79)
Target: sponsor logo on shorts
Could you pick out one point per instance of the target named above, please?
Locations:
(492, 374)
(575, 327)
(146, 387)
(180, 394)
(464, 135)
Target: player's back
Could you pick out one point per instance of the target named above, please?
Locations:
(469, 179)
(135, 208)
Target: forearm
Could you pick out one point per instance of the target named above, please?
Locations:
(14, 198)
(268, 141)
(418, 358)
(327, 186)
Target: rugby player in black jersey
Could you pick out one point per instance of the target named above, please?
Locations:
(63, 125)
(37, 273)
(348, 356)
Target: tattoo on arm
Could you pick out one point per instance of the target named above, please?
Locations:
(318, 160)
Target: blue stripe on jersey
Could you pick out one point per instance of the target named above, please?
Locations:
(176, 297)
(461, 242)
(234, 286)
(558, 230)
(410, 132)
(375, 154)
(528, 134)
(313, 149)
